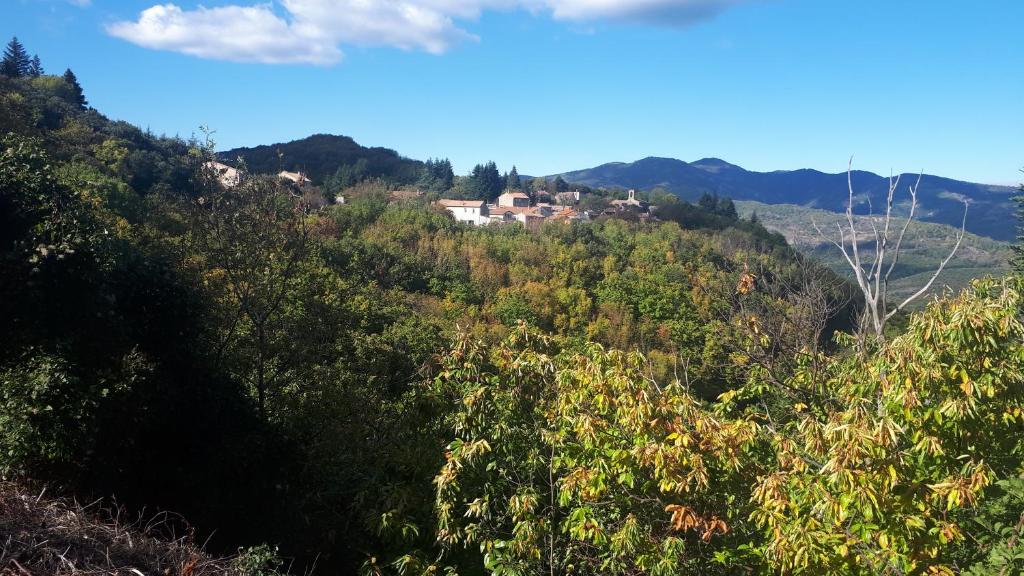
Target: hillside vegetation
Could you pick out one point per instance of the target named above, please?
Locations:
(925, 246)
(323, 155)
(941, 198)
(373, 388)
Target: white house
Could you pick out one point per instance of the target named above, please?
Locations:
(470, 211)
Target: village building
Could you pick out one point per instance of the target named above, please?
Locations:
(510, 207)
(630, 203)
(567, 198)
(227, 176)
(521, 214)
(513, 200)
(473, 212)
(294, 177)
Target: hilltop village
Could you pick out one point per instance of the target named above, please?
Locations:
(511, 206)
(516, 206)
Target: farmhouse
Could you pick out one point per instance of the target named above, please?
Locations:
(473, 212)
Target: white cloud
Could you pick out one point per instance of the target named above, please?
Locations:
(311, 31)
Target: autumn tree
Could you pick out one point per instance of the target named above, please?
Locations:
(572, 461)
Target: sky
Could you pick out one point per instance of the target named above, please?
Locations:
(558, 85)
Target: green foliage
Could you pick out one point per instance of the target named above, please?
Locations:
(1017, 260)
(570, 460)
(261, 560)
(322, 155)
(16, 62)
(998, 531)
(622, 397)
(484, 182)
(437, 176)
(47, 413)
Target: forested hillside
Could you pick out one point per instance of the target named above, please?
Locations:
(925, 246)
(373, 388)
(323, 156)
(941, 198)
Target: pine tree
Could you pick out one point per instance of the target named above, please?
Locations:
(16, 62)
(512, 180)
(445, 174)
(35, 69)
(76, 89)
(1018, 248)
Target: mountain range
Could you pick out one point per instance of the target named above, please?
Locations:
(940, 200)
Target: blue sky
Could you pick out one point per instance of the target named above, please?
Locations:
(557, 85)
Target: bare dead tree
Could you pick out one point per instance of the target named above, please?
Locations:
(873, 280)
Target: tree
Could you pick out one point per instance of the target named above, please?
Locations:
(727, 208)
(35, 67)
(885, 472)
(486, 182)
(78, 96)
(437, 175)
(16, 62)
(512, 180)
(709, 202)
(560, 185)
(873, 281)
(255, 236)
(1018, 249)
(572, 461)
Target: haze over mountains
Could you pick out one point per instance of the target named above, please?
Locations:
(939, 199)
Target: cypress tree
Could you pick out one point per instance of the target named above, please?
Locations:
(76, 89)
(16, 62)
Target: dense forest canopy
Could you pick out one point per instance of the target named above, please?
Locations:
(372, 387)
(323, 156)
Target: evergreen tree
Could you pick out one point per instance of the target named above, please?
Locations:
(1018, 248)
(76, 89)
(727, 208)
(16, 62)
(560, 185)
(486, 182)
(35, 67)
(512, 180)
(708, 202)
(444, 174)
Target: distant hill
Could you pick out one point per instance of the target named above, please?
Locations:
(926, 244)
(939, 199)
(320, 155)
